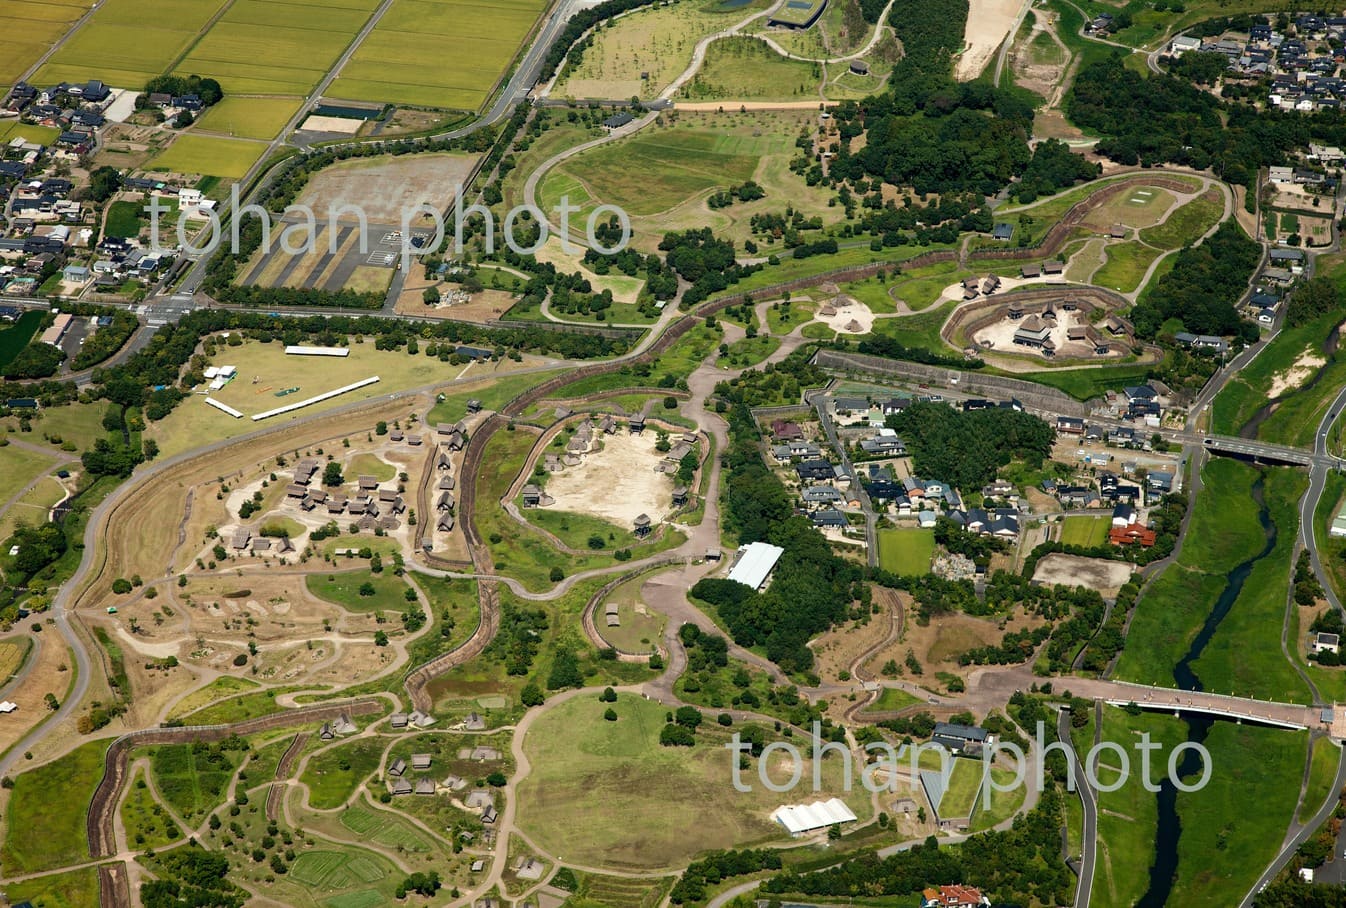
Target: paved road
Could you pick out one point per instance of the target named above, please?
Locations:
(1089, 835)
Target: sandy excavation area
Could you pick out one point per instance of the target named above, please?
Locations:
(988, 25)
(618, 483)
(1300, 371)
(1073, 570)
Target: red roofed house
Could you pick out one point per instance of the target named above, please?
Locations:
(953, 897)
(1132, 534)
(786, 431)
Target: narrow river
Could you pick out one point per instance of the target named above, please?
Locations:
(1164, 870)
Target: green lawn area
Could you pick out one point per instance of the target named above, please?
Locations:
(192, 778)
(1331, 549)
(750, 351)
(892, 699)
(1224, 531)
(44, 832)
(906, 552)
(1244, 655)
(73, 889)
(1085, 531)
(1225, 846)
(1322, 773)
(344, 589)
(1126, 265)
(123, 219)
(607, 793)
(746, 69)
(334, 774)
(1187, 223)
(147, 823)
(237, 709)
(369, 465)
(1250, 389)
(17, 336)
(220, 688)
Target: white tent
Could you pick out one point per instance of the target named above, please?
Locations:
(755, 563)
(799, 819)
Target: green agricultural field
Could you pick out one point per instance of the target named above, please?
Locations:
(249, 118)
(906, 552)
(337, 869)
(746, 69)
(333, 775)
(128, 42)
(15, 337)
(12, 129)
(607, 793)
(42, 832)
(403, 60)
(27, 30)
(123, 219)
(206, 155)
(385, 828)
(193, 778)
(344, 589)
(274, 48)
(1125, 267)
(1085, 531)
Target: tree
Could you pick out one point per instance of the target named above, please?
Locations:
(532, 695)
(367, 589)
(423, 883)
(610, 714)
(331, 474)
(380, 638)
(381, 428)
(676, 736)
(608, 695)
(497, 779)
(104, 183)
(688, 717)
(556, 575)
(121, 586)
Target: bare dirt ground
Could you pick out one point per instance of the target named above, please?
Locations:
(1300, 371)
(385, 188)
(624, 471)
(1000, 336)
(1072, 570)
(1031, 70)
(938, 644)
(482, 307)
(848, 310)
(837, 650)
(45, 677)
(988, 24)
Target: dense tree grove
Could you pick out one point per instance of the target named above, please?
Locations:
(966, 448)
(1315, 297)
(887, 347)
(704, 261)
(207, 89)
(192, 877)
(105, 341)
(1203, 288)
(1053, 167)
(811, 586)
(37, 360)
(717, 866)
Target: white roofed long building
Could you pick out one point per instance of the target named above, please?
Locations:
(755, 563)
(801, 819)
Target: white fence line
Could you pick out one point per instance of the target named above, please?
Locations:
(289, 408)
(224, 408)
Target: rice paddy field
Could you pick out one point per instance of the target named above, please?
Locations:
(437, 53)
(128, 42)
(28, 28)
(249, 118)
(209, 156)
(280, 48)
